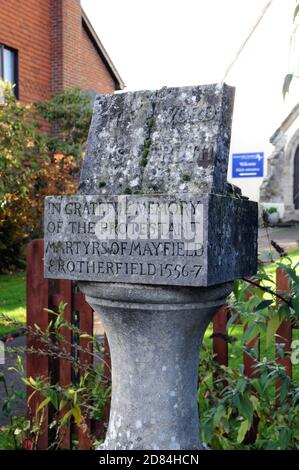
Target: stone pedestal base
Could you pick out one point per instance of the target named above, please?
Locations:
(154, 335)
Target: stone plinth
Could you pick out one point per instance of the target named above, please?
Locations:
(184, 239)
(154, 335)
(158, 236)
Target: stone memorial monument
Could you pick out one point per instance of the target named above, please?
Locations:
(155, 237)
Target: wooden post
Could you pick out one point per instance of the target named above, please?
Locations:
(61, 291)
(250, 371)
(249, 361)
(47, 294)
(64, 288)
(37, 294)
(284, 332)
(86, 359)
(99, 427)
(107, 376)
(220, 344)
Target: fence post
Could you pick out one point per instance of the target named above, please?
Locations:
(37, 294)
(99, 427)
(284, 332)
(220, 344)
(107, 376)
(47, 294)
(64, 290)
(249, 361)
(85, 314)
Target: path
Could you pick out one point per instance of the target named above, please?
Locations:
(287, 237)
(13, 379)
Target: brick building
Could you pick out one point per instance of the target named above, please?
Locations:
(47, 46)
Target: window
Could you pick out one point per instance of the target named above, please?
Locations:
(9, 66)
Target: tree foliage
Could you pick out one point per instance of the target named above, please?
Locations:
(68, 114)
(41, 147)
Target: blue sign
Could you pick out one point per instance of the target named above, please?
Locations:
(248, 165)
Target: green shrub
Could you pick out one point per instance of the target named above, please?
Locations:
(41, 147)
(70, 404)
(238, 412)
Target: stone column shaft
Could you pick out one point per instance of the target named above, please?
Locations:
(154, 335)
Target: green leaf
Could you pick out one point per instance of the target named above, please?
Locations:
(286, 84)
(54, 398)
(62, 404)
(295, 303)
(77, 414)
(255, 402)
(241, 384)
(66, 417)
(208, 429)
(264, 304)
(32, 382)
(272, 327)
(251, 332)
(283, 311)
(61, 308)
(283, 392)
(42, 405)
(245, 425)
(245, 408)
(284, 438)
(236, 289)
(220, 412)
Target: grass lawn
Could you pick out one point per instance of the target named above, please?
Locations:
(12, 300)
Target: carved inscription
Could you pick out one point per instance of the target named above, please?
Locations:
(180, 115)
(193, 152)
(125, 239)
(182, 239)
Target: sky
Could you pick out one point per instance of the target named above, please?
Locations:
(155, 43)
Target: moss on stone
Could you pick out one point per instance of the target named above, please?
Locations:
(185, 177)
(151, 121)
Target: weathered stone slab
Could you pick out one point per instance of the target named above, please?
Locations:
(184, 239)
(165, 141)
